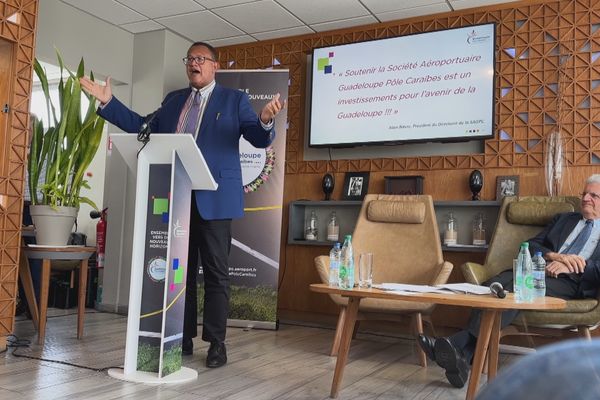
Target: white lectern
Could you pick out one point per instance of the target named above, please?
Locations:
(167, 169)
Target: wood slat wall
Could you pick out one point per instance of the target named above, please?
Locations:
(545, 36)
(17, 25)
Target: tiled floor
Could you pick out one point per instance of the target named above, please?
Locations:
(291, 363)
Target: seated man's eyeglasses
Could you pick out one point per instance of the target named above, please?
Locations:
(593, 195)
(199, 60)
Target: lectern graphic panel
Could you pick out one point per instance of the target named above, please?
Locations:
(155, 264)
(174, 305)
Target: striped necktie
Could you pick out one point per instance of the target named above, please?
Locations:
(191, 119)
(581, 239)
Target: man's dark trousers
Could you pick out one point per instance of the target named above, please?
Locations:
(562, 287)
(211, 240)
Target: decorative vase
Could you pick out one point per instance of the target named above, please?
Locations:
(475, 183)
(554, 163)
(327, 185)
(53, 226)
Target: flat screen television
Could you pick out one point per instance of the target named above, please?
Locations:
(433, 86)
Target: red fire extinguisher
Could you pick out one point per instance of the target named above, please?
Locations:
(100, 236)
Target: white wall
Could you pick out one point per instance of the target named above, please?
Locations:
(174, 71)
(157, 69)
(78, 35)
(106, 49)
(144, 67)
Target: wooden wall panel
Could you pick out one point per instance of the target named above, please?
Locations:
(17, 25)
(534, 41)
(547, 77)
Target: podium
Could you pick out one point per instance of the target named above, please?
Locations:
(167, 170)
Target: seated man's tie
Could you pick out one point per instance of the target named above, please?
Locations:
(581, 239)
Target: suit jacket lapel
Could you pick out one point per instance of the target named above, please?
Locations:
(596, 253)
(211, 110)
(174, 107)
(566, 231)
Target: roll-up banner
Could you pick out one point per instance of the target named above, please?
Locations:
(255, 247)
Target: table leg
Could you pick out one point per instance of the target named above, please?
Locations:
(483, 340)
(494, 348)
(45, 284)
(338, 332)
(83, 271)
(25, 276)
(351, 312)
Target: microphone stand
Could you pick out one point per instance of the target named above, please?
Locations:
(143, 135)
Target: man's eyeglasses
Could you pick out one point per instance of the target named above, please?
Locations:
(199, 60)
(593, 195)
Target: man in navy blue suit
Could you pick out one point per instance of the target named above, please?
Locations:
(217, 117)
(570, 246)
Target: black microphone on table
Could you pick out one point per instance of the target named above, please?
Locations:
(497, 290)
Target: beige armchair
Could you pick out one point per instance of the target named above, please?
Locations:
(520, 219)
(402, 233)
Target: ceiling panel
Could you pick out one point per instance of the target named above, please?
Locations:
(231, 41)
(260, 16)
(202, 25)
(222, 3)
(142, 26)
(414, 12)
(328, 26)
(381, 6)
(229, 22)
(161, 8)
(107, 10)
(317, 11)
(299, 30)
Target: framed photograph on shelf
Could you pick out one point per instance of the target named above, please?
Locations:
(507, 186)
(356, 185)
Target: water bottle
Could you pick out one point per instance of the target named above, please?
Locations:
(523, 275)
(539, 275)
(311, 231)
(335, 256)
(450, 232)
(333, 228)
(347, 264)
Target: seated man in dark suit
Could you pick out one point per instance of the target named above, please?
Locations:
(570, 246)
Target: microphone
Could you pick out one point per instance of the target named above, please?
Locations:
(497, 290)
(144, 133)
(145, 130)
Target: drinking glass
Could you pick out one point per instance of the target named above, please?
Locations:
(515, 263)
(365, 270)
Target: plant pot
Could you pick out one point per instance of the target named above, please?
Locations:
(53, 226)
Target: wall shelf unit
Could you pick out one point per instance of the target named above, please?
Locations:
(300, 210)
(465, 212)
(347, 213)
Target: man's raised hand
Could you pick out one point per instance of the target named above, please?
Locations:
(271, 109)
(103, 93)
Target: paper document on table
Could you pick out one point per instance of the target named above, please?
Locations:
(467, 288)
(403, 287)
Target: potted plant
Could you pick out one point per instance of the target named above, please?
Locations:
(59, 156)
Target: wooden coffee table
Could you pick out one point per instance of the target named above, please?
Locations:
(489, 330)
